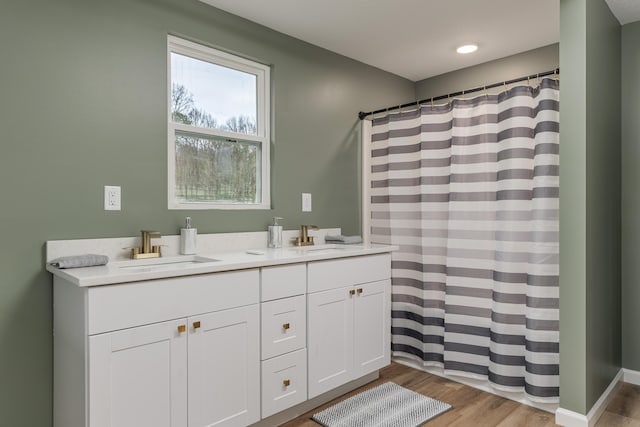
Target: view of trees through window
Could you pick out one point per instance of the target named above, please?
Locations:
(213, 168)
(218, 133)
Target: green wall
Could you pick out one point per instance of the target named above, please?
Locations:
(590, 338)
(630, 195)
(573, 206)
(83, 105)
(604, 342)
(512, 67)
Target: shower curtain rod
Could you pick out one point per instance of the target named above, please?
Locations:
(362, 115)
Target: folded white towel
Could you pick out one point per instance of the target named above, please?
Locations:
(76, 261)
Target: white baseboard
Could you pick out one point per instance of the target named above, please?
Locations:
(568, 418)
(630, 376)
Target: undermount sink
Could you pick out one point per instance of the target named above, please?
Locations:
(325, 248)
(319, 249)
(159, 264)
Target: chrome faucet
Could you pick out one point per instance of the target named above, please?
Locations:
(304, 239)
(147, 250)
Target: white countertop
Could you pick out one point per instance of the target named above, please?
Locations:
(137, 270)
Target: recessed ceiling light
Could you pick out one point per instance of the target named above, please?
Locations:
(467, 48)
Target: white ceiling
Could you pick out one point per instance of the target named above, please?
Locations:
(415, 39)
(625, 10)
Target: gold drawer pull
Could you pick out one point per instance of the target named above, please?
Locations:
(196, 325)
(359, 291)
(286, 383)
(352, 292)
(285, 326)
(182, 328)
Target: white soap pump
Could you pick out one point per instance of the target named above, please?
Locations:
(188, 236)
(275, 234)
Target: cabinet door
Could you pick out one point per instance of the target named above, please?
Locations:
(330, 339)
(138, 377)
(371, 327)
(224, 368)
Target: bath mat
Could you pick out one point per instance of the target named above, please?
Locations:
(383, 406)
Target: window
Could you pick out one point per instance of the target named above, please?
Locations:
(218, 129)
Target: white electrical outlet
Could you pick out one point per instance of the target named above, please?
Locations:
(306, 202)
(111, 198)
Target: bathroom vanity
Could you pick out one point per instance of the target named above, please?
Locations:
(237, 340)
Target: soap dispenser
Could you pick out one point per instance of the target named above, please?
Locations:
(188, 237)
(275, 234)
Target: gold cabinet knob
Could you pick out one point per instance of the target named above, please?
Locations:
(352, 292)
(285, 326)
(359, 291)
(182, 328)
(286, 383)
(196, 325)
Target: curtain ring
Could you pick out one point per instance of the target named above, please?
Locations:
(506, 88)
(538, 77)
(529, 81)
(486, 94)
(432, 102)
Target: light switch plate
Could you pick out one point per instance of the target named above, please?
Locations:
(112, 198)
(306, 202)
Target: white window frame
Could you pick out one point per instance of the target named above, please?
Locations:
(263, 80)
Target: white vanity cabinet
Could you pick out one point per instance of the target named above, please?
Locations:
(259, 344)
(349, 316)
(178, 352)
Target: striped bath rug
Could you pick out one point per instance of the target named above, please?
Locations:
(387, 405)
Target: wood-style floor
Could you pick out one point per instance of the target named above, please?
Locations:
(476, 408)
(624, 408)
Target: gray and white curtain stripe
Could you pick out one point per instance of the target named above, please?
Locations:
(469, 191)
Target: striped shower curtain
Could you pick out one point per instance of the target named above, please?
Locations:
(469, 192)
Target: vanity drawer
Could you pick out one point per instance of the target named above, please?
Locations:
(284, 382)
(337, 273)
(283, 281)
(284, 326)
(113, 307)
